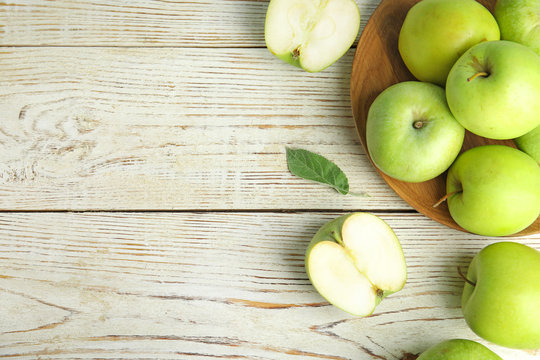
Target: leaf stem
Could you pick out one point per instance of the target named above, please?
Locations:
(360, 194)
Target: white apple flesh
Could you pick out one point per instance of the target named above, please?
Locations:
(311, 34)
(355, 261)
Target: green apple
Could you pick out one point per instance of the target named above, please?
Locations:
(530, 143)
(354, 261)
(411, 134)
(458, 349)
(494, 190)
(311, 34)
(436, 32)
(493, 89)
(519, 21)
(501, 298)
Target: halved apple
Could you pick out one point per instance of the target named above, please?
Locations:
(355, 261)
(311, 34)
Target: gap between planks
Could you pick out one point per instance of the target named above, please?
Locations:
(217, 211)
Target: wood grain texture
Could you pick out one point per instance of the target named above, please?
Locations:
(213, 285)
(159, 105)
(173, 129)
(141, 23)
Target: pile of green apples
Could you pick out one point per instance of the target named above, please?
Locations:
(477, 72)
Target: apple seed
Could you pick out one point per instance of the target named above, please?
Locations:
(296, 53)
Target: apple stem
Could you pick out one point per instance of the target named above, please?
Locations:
(445, 197)
(464, 277)
(481, 73)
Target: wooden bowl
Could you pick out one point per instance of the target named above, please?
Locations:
(377, 64)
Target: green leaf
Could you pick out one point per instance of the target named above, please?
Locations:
(311, 166)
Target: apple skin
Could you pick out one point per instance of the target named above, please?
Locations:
(530, 143)
(503, 306)
(519, 21)
(436, 32)
(401, 150)
(311, 34)
(494, 190)
(333, 232)
(504, 104)
(458, 349)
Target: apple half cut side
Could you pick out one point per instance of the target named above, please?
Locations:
(355, 261)
(311, 34)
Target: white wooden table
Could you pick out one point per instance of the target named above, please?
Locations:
(146, 206)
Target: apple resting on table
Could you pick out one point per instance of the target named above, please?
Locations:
(494, 190)
(493, 90)
(519, 21)
(411, 134)
(501, 298)
(311, 34)
(458, 349)
(436, 32)
(355, 261)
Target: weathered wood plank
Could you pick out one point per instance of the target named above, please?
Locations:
(129, 128)
(205, 23)
(212, 285)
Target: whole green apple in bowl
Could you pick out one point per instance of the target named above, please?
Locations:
(436, 32)
(311, 34)
(493, 90)
(519, 21)
(457, 349)
(501, 297)
(530, 143)
(494, 190)
(411, 134)
(354, 261)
